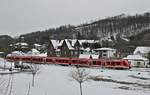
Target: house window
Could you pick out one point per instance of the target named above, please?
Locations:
(104, 55)
(76, 53)
(104, 51)
(138, 64)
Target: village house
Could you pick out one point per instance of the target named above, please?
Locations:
(37, 46)
(137, 61)
(21, 46)
(143, 51)
(74, 47)
(52, 48)
(123, 52)
(66, 48)
(78, 48)
(70, 48)
(89, 56)
(105, 52)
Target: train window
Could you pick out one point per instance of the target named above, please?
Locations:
(118, 63)
(124, 63)
(94, 62)
(66, 61)
(48, 60)
(74, 61)
(99, 62)
(113, 63)
(108, 63)
(83, 62)
(59, 60)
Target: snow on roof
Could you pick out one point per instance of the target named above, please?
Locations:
(108, 49)
(81, 41)
(135, 57)
(110, 40)
(87, 49)
(17, 53)
(88, 41)
(35, 51)
(23, 44)
(38, 45)
(125, 39)
(84, 56)
(1, 52)
(73, 42)
(95, 56)
(60, 43)
(42, 54)
(141, 50)
(11, 45)
(55, 43)
(88, 56)
(68, 44)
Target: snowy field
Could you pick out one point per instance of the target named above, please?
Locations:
(55, 80)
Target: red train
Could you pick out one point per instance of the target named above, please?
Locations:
(107, 63)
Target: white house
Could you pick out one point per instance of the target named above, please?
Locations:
(89, 56)
(143, 51)
(137, 61)
(105, 52)
(33, 52)
(37, 46)
(21, 45)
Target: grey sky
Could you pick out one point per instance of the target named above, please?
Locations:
(24, 16)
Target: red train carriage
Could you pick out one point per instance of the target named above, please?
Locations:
(62, 61)
(38, 59)
(117, 64)
(108, 63)
(97, 63)
(50, 60)
(80, 62)
(26, 59)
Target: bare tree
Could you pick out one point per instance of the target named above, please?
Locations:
(29, 90)
(80, 75)
(34, 69)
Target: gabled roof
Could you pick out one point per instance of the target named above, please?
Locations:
(68, 44)
(73, 42)
(107, 49)
(55, 43)
(141, 50)
(38, 45)
(135, 57)
(60, 43)
(86, 41)
(22, 44)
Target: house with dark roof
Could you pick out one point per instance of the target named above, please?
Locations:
(66, 49)
(105, 52)
(52, 47)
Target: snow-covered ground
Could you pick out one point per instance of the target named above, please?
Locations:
(55, 80)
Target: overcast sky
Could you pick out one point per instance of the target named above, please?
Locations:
(24, 16)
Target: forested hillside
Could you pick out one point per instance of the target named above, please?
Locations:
(104, 29)
(111, 31)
